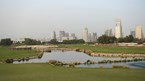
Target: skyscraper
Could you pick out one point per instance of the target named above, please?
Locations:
(118, 29)
(61, 34)
(85, 34)
(89, 37)
(108, 32)
(53, 35)
(94, 37)
(72, 36)
(132, 33)
(138, 32)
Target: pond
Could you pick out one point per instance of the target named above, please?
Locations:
(73, 56)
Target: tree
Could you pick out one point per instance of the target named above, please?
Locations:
(126, 39)
(120, 40)
(129, 38)
(6, 42)
(106, 39)
(29, 41)
(53, 41)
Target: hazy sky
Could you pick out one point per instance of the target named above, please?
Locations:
(38, 18)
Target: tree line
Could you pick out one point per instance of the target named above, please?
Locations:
(112, 39)
(102, 39)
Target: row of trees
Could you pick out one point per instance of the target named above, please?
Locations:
(111, 39)
(76, 41)
(106, 39)
(29, 41)
(102, 39)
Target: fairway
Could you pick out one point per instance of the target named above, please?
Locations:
(6, 53)
(107, 49)
(46, 72)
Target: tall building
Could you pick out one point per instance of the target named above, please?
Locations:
(53, 35)
(118, 29)
(138, 32)
(72, 36)
(94, 37)
(89, 37)
(61, 35)
(85, 34)
(132, 33)
(66, 35)
(108, 32)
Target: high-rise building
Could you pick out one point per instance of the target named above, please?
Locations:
(94, 37)
(108, 32)
(118, 29)
(61, 34)
(53, 35)
(72, 36)
(85, 34)
(66, 35)
(89, 37)
(132, 33)
(138, 32)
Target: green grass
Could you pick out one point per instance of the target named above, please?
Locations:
(45, 72)
(107, 49)
(6, 53)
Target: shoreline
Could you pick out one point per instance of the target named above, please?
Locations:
(91, 53)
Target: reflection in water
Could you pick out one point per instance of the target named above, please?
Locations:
(72, 56)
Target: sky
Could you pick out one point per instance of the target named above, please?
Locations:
(38, 18)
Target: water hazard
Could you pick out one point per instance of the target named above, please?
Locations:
(73, 56)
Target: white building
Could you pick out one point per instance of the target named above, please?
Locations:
(85, 34)
(65, 38)
(118, 29)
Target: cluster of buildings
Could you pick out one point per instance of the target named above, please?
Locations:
(86, 36)
(92, 37)
(63, 36)
(136, 33)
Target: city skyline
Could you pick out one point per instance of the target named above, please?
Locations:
(38, 18)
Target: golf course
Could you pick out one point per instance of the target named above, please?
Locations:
(47, 72)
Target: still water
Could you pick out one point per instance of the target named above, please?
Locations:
(73, 56)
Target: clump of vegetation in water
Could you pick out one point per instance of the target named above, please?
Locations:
(119, 66)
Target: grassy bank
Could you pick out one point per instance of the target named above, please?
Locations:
(45, 72)
(6, 53)
(107, 49)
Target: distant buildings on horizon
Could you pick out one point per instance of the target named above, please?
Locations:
(92, 36)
